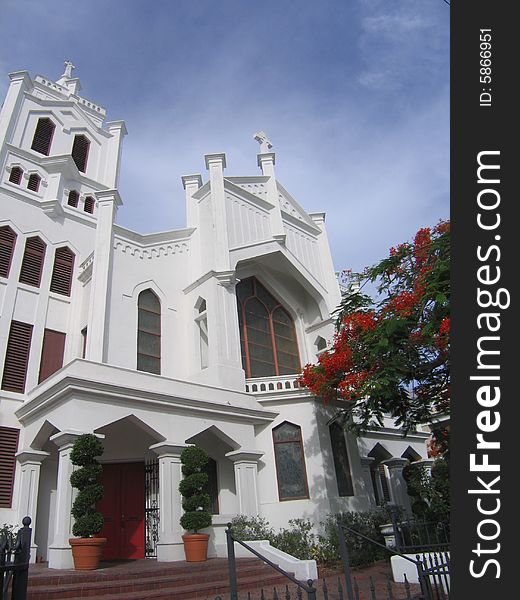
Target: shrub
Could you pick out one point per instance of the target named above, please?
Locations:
(8, 534)
(430, 496)
(195, 502)
(88, 521)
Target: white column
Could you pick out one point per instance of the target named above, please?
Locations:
(170, 546)
(20, 83)
(108, 201)
(266, 162)
(60, 555)
(366, 462)
(427, 463)
(216, 163)
(245, 464)
(326, 260)
(397, 484)
(30, 462)
(191, 184)
(117, 130)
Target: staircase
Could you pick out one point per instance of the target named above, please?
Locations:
(150, 580)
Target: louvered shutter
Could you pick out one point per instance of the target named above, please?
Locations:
(61, 280)
(80, 152)
(32, 263)
(52, 353)
(7, 243)
(89, 204)
(8, 448)
(73, 198)
(17, 357)
(34, 182)
(15, 176)
(43, 136)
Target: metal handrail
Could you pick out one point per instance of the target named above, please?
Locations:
(307, 587)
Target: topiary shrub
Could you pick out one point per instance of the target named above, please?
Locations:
(88, 521)
(195, 502)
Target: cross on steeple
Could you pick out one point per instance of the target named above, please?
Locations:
(264, 141)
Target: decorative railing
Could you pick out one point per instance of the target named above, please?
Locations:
(266, 385)
(14, 562)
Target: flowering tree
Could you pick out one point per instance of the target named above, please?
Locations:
(391, 353)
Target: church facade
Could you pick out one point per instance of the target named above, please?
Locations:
(157, 341)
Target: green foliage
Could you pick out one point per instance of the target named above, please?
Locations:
(430, 495)
(8, 534)
(195, 502)
(87, 521)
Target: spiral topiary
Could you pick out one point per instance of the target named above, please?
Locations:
(194, 501)
(88, 521)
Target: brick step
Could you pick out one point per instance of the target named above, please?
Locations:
(179, 581)
(127, 572)
(194, 590)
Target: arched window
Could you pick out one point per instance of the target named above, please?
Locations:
(15, 176)
(7, 243)
(80, 149)
(267, 334)
(34, 182)
(89, 204)
(290, 462)
(341, 460)
(32, 262)
(73, 198)
(201, 319)
(61, 280)
(43, 136)
(149, 333)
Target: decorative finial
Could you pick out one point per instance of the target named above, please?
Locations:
(68, 69)
(264, 141)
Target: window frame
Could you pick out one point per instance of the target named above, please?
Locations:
(35, 186)
(30, 252)
(8, 249)
(18, 170)
(83, 167)
(299, 441)
(336, 460)
(50, 138)
(159, 335)
(8, 477)
(244, 335)
(60, 262)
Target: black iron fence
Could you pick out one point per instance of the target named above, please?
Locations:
(432, 567)
(420, 536)
(14, 562)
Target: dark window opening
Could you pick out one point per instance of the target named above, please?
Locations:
(52, 353)
(211, 488)
(32, 263)
(7, 244)
(43, 136)
(341, 460)
(80, 150)
(89, 204)
(17, 357)
(149, 333)
(15, 176)
(73, 198)
(61, 279)
(290, 462)
(8, 448)
(34, 182)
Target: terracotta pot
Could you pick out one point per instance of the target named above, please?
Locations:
(86, 552)
(195, 546)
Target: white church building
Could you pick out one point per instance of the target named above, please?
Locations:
(155, 341)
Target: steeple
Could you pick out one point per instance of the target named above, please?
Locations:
(67, 81)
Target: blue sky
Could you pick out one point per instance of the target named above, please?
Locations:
(354, 95)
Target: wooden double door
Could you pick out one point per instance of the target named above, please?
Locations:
(123, 508)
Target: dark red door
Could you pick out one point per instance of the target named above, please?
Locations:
(122, 507)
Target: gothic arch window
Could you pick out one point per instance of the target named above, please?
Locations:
(32, 262)
(341, 460)
(15, 176)
(290, 462)
(80, 150)
(149, 333)
(267, 334)
(7, 244)
(201, 321)
(88, 207)
(43, 136)
(73, 198)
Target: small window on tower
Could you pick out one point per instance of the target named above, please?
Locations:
(16, 175)
(80, 152)
(73, 198)
(34, 182)
(89, 204)
(43, 136)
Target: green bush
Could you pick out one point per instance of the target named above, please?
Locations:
(430, 496)
(195, 502)
(251, 528)
(8, 534)
(87, 521)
